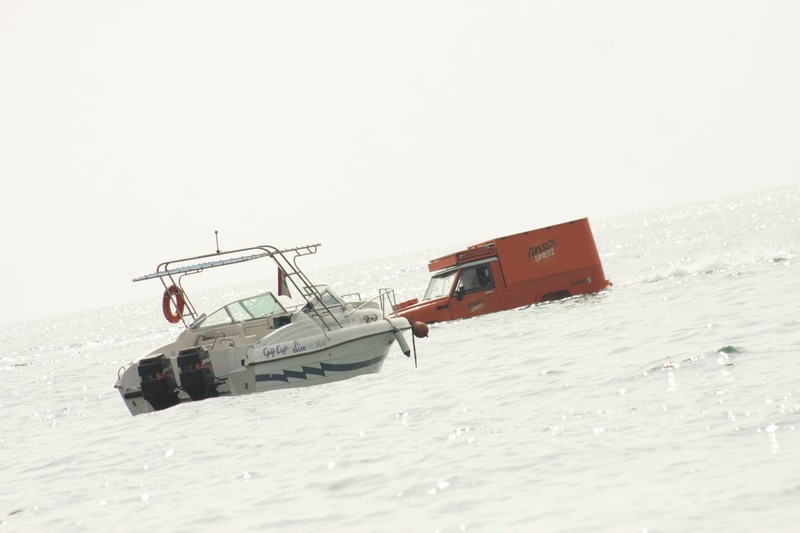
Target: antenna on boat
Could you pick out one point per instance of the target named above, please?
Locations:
(216, 236)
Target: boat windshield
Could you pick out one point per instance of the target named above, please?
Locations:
(329, 297)
(254, 307)
(440, 285)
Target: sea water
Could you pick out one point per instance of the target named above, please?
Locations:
(670, 402)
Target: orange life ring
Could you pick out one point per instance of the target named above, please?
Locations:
(166, 304)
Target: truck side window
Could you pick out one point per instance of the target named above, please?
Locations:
(475, 279)
(485, 279)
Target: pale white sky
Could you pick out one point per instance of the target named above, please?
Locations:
(130, 131)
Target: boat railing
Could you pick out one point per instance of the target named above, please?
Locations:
(385, 299)
(356, 295)
(302, 284)
(171, 273)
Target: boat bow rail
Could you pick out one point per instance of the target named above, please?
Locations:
(385, 300)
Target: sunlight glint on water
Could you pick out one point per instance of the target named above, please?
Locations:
(668, 403)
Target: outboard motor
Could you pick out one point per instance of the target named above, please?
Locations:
(196, 374)
(158, 382)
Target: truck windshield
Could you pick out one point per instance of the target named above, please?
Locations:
(440, 286)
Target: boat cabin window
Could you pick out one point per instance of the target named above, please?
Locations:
(329, 298)
(238, 312)
(440, 286)
(260, 306)
(477, 278)
(217, 318)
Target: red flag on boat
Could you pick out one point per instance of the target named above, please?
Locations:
(283, 287)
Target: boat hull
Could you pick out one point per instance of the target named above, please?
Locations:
(364, 355)
(272, 364)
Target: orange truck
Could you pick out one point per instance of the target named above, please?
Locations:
(517, 270)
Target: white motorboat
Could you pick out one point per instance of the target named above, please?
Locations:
(258, 343)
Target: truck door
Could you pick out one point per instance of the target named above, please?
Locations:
(477, 291)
